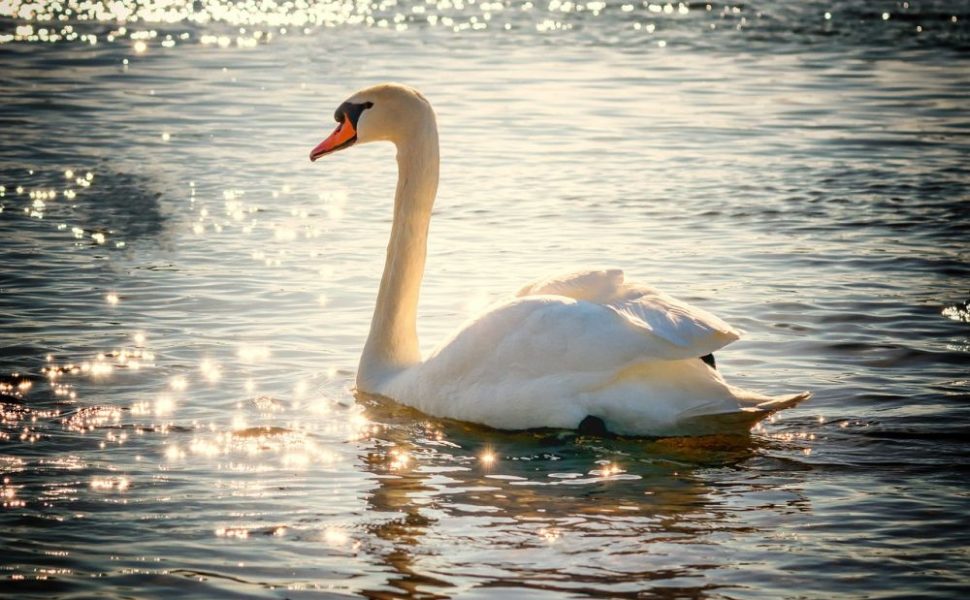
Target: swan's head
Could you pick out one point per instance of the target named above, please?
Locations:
(390, 112)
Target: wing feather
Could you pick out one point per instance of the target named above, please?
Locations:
(695, 331)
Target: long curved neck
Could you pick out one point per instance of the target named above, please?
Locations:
(393, 341)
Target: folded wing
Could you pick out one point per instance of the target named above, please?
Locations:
(693, 332)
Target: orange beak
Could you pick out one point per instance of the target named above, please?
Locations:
(342, 137)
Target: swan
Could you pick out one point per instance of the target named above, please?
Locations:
(585, 349)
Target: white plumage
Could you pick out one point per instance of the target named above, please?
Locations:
(565, 348)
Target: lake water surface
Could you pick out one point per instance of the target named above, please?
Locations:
(184, 296)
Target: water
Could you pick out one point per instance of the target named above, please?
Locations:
(179, 330)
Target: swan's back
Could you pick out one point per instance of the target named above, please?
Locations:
(551, 361)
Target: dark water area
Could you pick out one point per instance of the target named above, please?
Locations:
(184, 297)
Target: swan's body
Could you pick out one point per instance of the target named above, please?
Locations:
(565, 348)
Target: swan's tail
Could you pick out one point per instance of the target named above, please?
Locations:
(759, 407)
(776, 403)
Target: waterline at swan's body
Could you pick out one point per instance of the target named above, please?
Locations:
(566, 348)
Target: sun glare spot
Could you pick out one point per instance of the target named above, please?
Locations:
(296, 460)
(359, 427)
(399, 459)
(99, 368)
(335, 536)
(610, 470)
(239, 423)
(232, 532)
(284, 234)
(211, 370)
(487, 458)
(251, 353)
(106, 484)
(164, 405)
(173, 452)
(204, 448)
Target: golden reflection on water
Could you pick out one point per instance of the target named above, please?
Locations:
(434, 486)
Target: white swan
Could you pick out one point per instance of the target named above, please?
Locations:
(576, 349)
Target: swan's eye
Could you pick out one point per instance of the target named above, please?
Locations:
(351, 111)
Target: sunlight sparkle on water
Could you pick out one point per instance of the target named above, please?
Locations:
(400, 459)
(119, 484)
(97, 368)
(8, 493)
(296, 460)
(335, 536)
(239, 422)
(164, 405)
(959, 312)
(251, 353)
(232, 532)
(211, 370)
(550, 534)
(608, 469)
(487, 458)
(173, 452)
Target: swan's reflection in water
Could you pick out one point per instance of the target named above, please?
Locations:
(557, 512)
